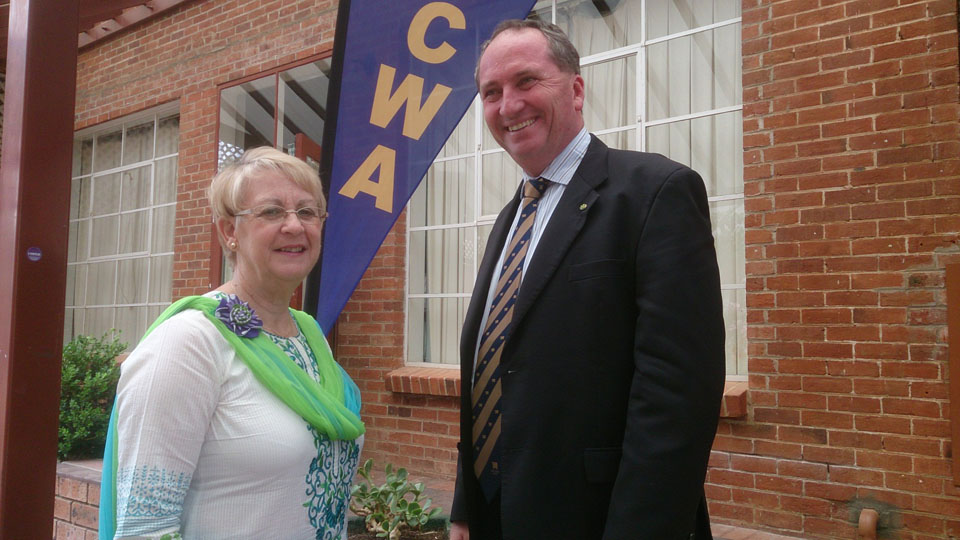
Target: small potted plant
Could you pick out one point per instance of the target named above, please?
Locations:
(396, 509)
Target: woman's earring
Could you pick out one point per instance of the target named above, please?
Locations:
(232, 244)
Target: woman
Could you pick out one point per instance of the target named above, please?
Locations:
(232, 419)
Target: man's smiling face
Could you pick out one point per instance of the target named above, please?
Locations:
(531, 107)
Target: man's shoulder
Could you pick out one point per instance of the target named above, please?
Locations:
(643, 170)
(651, 160)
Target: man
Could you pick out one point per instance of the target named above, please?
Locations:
(592, 350)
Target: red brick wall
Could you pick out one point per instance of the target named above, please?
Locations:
(851, 162)
(76, 508)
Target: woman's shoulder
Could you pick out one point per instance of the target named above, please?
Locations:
(185, 334)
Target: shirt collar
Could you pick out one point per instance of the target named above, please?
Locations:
(563, 166)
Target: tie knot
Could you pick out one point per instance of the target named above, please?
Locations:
(535, 187)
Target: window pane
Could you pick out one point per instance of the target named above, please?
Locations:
(689, 74)
(727, 221)
(71, 284)
(163, 223)
(84, 202)
(106, 194)
(130, 324)
(665, 17)
(445, 196)
(303, 100)
(483, 234)
(246, 118)
(101, 283)
(168, 135)
(98, 321)
(596, 27)
(165, 181)
(433, 329)
(83, 240)
(107, 151)
(138, 143)
(134, 228)
(622, 140)
(75, 198)
(132, 284)
(67, 324)
(710, 145)
(77, 326)
(82, 156)
(135, 188)
(445, 259)
(161, 279)
(80, 289)
(104, 236)
(72, 243)
(501, 177)
(611, 97)
(735, 322)
(461, 140)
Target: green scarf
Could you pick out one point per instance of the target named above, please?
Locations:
(331, 406)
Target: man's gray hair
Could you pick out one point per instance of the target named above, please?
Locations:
(562, 51)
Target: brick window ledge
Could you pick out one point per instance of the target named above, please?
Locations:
(434, 381)
(431, 381)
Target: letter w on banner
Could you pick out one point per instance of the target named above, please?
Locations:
(402, 79)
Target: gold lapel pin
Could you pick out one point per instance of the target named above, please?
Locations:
(583, 206)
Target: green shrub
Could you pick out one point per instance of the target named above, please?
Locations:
(386, 509)
(88, 384)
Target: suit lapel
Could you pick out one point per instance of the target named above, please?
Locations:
(568, 218)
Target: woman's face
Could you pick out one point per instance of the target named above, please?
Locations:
(274, 252)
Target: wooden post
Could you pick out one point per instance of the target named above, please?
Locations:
(953, 328)
(34, 216)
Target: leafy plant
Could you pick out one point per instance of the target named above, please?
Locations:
(88, 384)
(394, 507)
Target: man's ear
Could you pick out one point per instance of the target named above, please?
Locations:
(578, 93)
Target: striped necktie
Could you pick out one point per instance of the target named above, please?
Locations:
(486, 387)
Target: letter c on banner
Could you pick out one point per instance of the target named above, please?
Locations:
(418, 31)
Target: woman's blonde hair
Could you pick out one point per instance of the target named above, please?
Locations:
(228, 187)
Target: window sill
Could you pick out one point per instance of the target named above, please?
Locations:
(734, 404)
(431, 381)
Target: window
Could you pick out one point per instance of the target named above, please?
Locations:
(660, 77)
(122, 210)
(249, 113)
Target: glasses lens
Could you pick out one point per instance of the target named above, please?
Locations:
(308, 214)
(271, 213)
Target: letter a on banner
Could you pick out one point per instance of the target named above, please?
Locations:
(402, 78)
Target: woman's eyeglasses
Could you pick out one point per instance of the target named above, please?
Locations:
(272, 213)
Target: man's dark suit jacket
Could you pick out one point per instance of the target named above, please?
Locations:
(613, 371)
